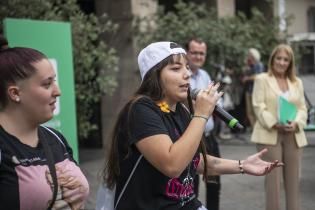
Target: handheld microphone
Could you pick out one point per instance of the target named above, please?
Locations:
(221, 113)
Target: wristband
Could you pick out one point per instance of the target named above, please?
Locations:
(200, 116)
(240, 167)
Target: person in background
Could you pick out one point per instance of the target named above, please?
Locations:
(284, 141)
(200, 79)
(253, 68)
(28, 95)
(155, 132)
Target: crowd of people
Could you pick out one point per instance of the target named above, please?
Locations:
(162, 139)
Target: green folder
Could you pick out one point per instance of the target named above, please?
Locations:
(287, 110)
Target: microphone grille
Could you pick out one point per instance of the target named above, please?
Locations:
(194, 93)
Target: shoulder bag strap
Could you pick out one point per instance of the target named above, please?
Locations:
(10, 149)
(124, 188)
(52, 169)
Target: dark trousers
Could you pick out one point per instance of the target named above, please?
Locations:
(213, 183)
(213, 194)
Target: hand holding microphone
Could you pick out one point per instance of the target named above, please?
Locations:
(220, 112)
(207, 100)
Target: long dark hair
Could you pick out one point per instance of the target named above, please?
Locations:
(151, 88)
(16, 64)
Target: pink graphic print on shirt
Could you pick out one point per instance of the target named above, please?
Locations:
(73, 186)
(35, 187)
(176, 133)
(34, 191)
(176, 190)
(196, 161)
(181, 190)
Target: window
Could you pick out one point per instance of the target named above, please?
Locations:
(311, 19)
(307, 62)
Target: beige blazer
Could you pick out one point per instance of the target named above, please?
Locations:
(265, 103)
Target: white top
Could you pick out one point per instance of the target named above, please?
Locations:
(201, 80)
(285, 94)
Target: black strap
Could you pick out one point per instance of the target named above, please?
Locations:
(124, 188)
(52, 169)
(8, 146)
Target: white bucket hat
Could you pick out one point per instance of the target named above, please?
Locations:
(155, 53)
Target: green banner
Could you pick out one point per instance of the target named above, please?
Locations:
(54, 40)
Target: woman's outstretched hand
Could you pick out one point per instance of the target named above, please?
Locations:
(254, 165)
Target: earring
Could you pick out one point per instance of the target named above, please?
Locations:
(17, 99)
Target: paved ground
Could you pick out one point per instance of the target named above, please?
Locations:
(242, 192)
(246, 192)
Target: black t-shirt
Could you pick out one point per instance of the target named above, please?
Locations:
(25, 181)
(148, 187)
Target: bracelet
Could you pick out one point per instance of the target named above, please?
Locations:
(200, 116)
(240, 167)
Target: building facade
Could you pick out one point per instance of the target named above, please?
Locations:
(122, 12)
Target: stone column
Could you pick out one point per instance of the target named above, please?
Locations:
(121, 12)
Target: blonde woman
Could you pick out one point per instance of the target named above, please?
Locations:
(283, 141)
